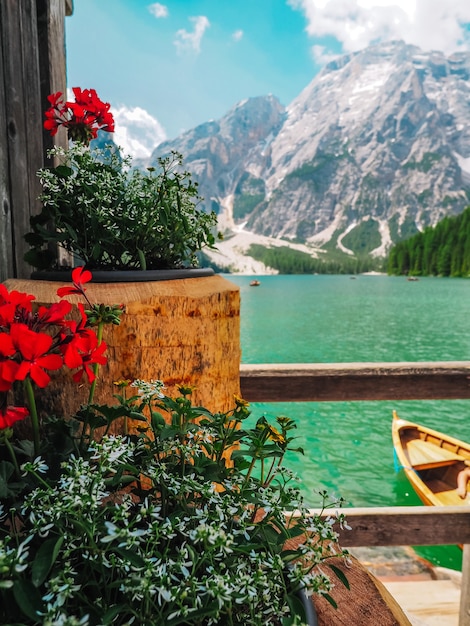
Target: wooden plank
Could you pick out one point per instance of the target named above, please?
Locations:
(23, 120)
(6, 248)
(52, 58)
(404, 526)
(33, 147)
(316, 382)
(424, 455)
(32, 65)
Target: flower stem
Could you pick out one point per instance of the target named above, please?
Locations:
(33, 412)
(13, 456)
(99, 335)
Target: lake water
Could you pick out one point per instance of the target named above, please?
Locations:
(327, 319)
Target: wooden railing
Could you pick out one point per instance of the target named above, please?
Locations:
(304, 382)
(385, 526)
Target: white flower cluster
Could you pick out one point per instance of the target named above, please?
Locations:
(124, 528)
(149, 389)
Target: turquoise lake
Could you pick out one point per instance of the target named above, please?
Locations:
(334, 319)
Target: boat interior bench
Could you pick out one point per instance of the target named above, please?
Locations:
(424, 456)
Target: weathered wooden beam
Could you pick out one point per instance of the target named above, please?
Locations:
(52, 60)
(6, 227)
(404, 526)
(315, 382)
(20, 134)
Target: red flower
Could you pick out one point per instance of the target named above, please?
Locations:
(54, 314)
(88, 99)
(8, 367)
(11, 414)
(93, 355)
(34, 349)
(80, 276)
(82, 118)
(18, 298)
(11, 302)
(79, 342)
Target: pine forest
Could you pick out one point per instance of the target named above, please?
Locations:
(442, 250)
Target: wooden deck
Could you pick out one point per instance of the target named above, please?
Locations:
(428, 595)
(427, 602)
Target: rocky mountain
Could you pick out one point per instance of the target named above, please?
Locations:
(374, 149)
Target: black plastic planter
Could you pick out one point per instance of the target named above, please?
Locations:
(126, 276)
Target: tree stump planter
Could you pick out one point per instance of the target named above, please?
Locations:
(180, 331)
(366, 603)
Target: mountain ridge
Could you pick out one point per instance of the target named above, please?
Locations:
(374, 149)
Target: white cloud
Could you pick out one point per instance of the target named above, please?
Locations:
(321, 55)
(137, 132)
(237, 35)
(158, 10)
(191, 41)
(429, 24)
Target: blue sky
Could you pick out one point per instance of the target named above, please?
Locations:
(167, 66)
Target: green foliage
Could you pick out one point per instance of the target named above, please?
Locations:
(317, 171)
(426, 163)
(443, 250)
(249, 193)
(244, 205)
(364, 238)
(112, 217)
(184, 522)
(289, 261)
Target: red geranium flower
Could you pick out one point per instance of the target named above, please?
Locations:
(82, 118)
(81, 340)
(11, 414)
(34, 349)
(8, 367)
(80, 276)
(54, 314)
(94, 355)
(56, 115)
(11, 302)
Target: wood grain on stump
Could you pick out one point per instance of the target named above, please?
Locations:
(366, 603)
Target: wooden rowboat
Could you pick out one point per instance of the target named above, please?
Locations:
(431, 461)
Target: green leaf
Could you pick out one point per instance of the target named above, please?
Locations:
(112, 613)
(340, 574)
(133, 558)
(157, 420)
(72, 232)
(45, 559)
(28, 599)
(135, 415)
(63, 170)
(6, 472)
(330, 600)
(296, 607)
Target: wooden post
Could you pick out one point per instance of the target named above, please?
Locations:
(6, 228)
(32, 65)
(464, 615)
(23, 150)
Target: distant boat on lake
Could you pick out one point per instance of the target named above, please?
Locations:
(412, 279)
(255, 283)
